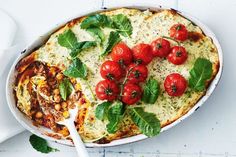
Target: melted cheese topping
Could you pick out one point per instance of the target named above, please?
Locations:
(147, 26)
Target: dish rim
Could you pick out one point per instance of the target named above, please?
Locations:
(41, 39)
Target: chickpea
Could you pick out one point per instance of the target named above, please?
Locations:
(66, 114)
(64, 105)
(57, 107)
(69, 103)
(77, 87)
(56, 91)
(64, 131)
(39, 115)
(57, 98)
(59, 76)
(53, 71)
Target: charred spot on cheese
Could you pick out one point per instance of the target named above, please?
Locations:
(54, 59)
(195, 36)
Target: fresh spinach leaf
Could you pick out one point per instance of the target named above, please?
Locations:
(97, 33)
(115, 114)
(102, 110)
(122, 24)
(80, 46)
(67, 39)
(112, 126)
(117, 108)
(113, 39)
(76, 69)
(97, 20)
(151, 91)
(65, 88)
(147, 122)
(199, 74)
(41, 145)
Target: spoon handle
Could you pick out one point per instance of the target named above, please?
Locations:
(79, 145)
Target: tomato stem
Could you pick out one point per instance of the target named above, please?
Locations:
(159, 46)
(179, 27)
(172, 40)
(134, 106)
(125, 80)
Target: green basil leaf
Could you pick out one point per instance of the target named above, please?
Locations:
(41, 145)
(200, 73)
(113, 39)
(67, 39)
(102, 110)
(97, 20)
(115, 114)
(117, 108)
(97, 33)
(112, 126)
(76, 69)
(123, 24)
(80, 46)
(65, 88)
(147, 122)
(151, 91)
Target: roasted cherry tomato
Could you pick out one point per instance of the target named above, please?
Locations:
(137, 73)
(179, 32)
(178, 55)
(111, 70)
(142, 53)
(160, 47)
(107, 90)
(175, 84)
(122, 54)
(131, 93)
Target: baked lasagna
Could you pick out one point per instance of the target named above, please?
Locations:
(128, 71)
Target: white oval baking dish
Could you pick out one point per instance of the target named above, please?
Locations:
(40, 131)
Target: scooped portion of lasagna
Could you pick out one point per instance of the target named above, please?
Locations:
(128, 71)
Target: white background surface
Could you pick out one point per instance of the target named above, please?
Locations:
(211, 131)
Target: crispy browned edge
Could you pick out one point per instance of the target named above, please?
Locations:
(172, 11)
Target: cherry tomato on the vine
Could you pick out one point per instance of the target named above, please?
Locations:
(122, 54)
(178, 55)
(111, 70)
(131, 93)
(175, 84)
(142, 53)
(160, 47)
(137, 73)
(179, 32)
(107, 90)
